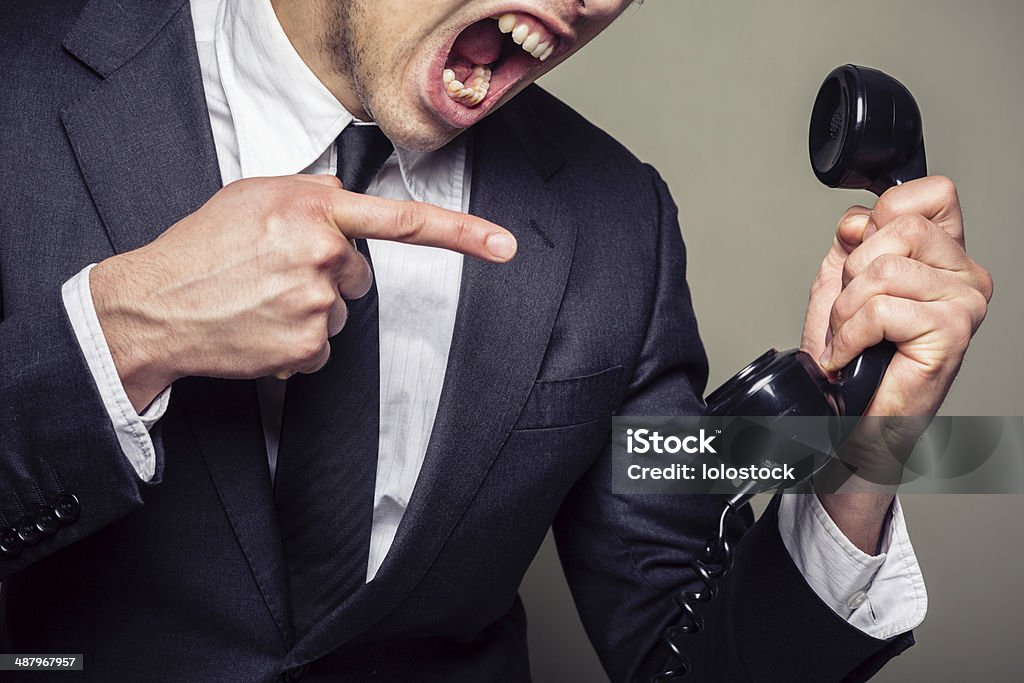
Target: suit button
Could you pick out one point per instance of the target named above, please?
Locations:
(10, 544)
(28, 532)
(46, 520)
(67, 508)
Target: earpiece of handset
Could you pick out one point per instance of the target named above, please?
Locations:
(865, 133)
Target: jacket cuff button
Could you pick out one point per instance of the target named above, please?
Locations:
(10, 544)
(67, 508)
(47, 521)
(27, 531)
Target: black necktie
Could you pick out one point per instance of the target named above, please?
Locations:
(327, 460)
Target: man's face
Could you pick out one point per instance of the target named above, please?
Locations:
(405, 59)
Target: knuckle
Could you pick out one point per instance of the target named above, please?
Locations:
(352, 262)
(946, 189)
(836, 320)
(310, 344)
(841, 312)
(318, 203)
(358, 280)
(321, 362)
(888, 267)
(959, 327)
(977, 305)
(844, 336)
(408, 221)
(324, 250)
(320, 300)
(852, 267)
(912, 228)
(890, 201)
(277, 194)
(274, 228)
(306, 201)
(462, 232)
(877, 310)
(986, 285)
(341, 316)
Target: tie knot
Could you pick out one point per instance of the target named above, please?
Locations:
(362, 151)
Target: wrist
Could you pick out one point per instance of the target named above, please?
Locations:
(861, 515)
(139, 343)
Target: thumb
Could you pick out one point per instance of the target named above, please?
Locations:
(828, 283)
(854, 227)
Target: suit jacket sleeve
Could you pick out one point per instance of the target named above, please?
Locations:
(56, 438)
(626, 557)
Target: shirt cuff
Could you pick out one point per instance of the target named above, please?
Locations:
(881, 595)
(131, 428)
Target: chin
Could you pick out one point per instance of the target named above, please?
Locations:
(411, 127)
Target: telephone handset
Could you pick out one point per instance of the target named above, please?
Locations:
(865, 133)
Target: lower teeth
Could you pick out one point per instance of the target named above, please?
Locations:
(473, 91)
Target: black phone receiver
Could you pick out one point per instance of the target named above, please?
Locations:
(865, 133)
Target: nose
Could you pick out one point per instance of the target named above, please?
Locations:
(593, 10)
(599, 11)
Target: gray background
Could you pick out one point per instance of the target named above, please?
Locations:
(717, 95)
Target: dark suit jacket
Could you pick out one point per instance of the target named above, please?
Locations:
(105, 142)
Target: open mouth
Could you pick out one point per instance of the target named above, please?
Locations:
(487, 59)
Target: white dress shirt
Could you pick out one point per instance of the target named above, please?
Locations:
(271, 116)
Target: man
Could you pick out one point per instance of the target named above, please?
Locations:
(356, 464)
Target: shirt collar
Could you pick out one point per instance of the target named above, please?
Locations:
(285, 119)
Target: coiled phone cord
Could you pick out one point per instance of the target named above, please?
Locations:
(714, 564)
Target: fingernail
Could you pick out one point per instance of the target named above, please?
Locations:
(826, 356)
(502, 245)
(870, 230)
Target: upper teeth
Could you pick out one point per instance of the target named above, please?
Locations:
(535, 43)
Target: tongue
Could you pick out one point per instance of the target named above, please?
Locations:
(480, 43)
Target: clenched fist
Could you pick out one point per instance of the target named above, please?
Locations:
(254, 283)
(900, 272)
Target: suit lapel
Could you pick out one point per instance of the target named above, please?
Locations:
(504, 320)
(143, 141)
(142, 137)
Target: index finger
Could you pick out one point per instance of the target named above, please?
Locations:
(934, 197)
(368, 217)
